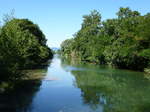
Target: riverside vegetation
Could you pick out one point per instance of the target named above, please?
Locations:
(123, 42)
(22, 46)
(68, 85)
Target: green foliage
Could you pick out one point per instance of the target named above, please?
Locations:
(120, 89)
(127, 13)
(67, 47)
(123, 42)
(22, 46)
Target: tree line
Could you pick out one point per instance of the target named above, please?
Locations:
(22, 46)
(123, 42)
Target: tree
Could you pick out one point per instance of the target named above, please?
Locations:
(22, 46)
(126, 13)
(122, 42)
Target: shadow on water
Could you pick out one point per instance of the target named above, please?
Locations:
(117, 90)
(20, 98)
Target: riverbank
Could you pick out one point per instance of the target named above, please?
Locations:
(31, 75)
(122, 41)
(75, 60)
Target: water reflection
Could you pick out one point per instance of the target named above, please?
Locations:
(21, 97)
(80, 88)
(117, 90)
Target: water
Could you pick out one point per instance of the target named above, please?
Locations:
(71, 87)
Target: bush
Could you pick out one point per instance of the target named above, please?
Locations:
(22, 46)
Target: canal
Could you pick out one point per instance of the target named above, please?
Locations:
(71, 87)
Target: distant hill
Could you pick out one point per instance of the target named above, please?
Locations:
(55, 48)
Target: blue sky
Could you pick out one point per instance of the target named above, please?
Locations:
(60, 19)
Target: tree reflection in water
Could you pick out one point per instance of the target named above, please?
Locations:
(20, 98)
(117, 90)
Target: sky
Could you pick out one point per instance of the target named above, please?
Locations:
(60, 19)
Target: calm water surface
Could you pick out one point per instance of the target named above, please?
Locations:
(70, 87)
